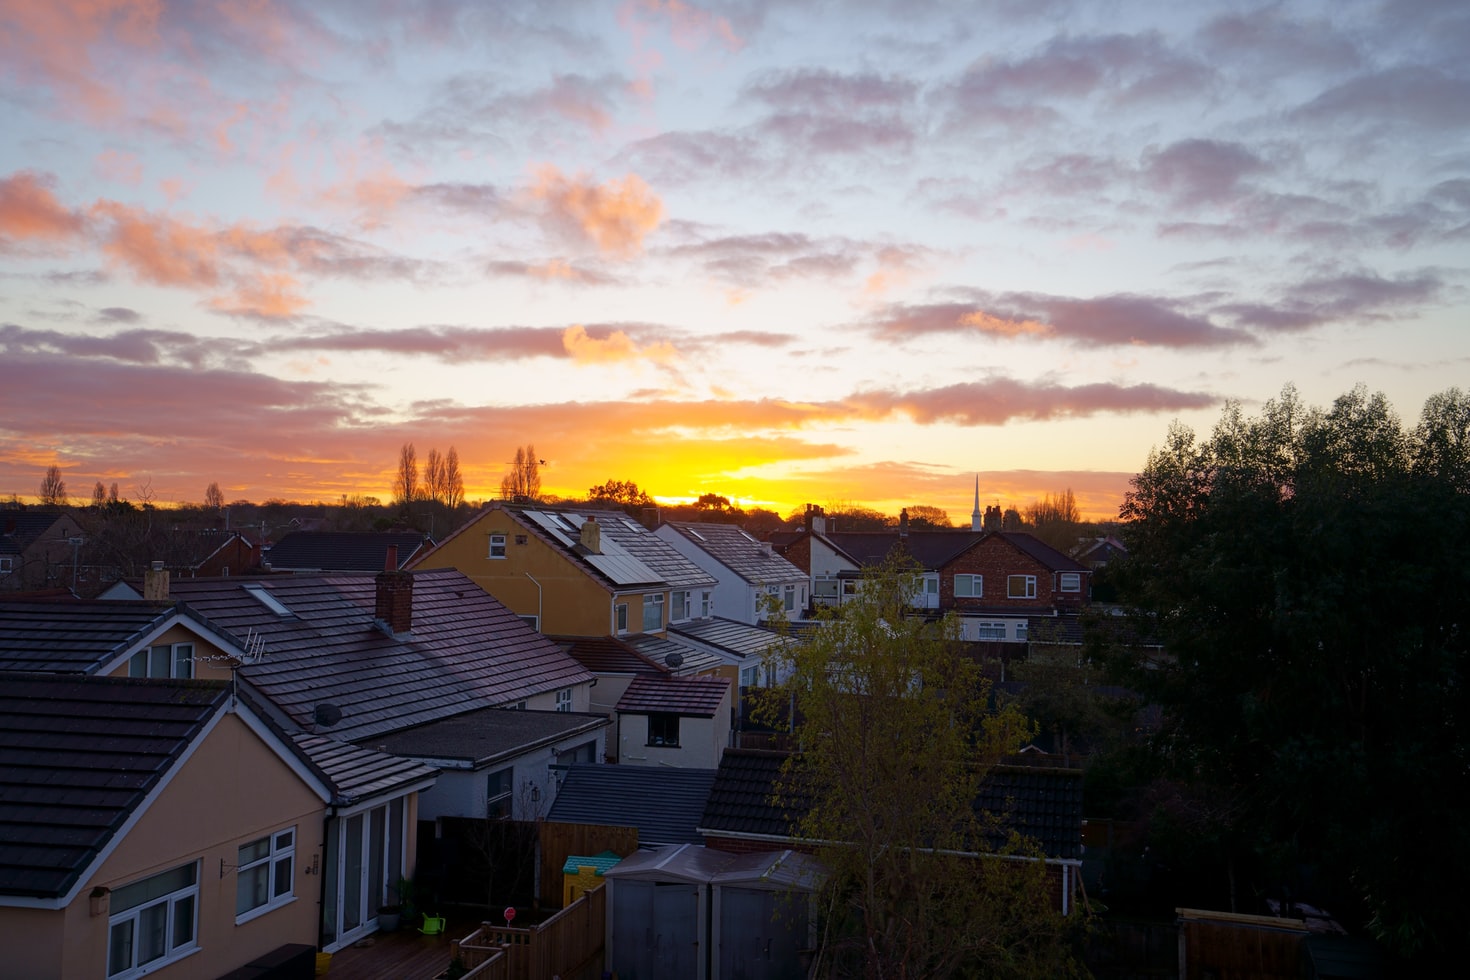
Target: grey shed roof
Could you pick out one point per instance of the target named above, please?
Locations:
(466, 651)
(481, 738)
(343, 551)
(740, 552)
(80, 754)
(664, 804)
(734, 639)
(76, 636)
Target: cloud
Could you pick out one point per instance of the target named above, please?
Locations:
(613, 348)
(1000, 400)
(30, 211)
(1401, 95)
(615, 216)
(1357, 297)
(823, 111)
(552, 270)
(118, 314)
(1104, 321)
(1199, 171)
(751, 260)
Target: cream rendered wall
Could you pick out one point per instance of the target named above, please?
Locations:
(231, 791)
(205, 668)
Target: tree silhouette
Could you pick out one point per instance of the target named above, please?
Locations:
(523, 482)
(406, 480)
(53, 487)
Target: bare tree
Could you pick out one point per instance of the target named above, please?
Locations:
(434, 482)
(406, 483)
(99, 495)
(53, 487)
(112, 496)
(453, 480)
(523, 482)
(214, 498)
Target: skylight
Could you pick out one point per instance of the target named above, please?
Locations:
(266, 599)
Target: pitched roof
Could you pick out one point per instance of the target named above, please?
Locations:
(731, 637)
(343, 551)
(695, 697)
(466, 651)
(482, 738)
(1041, 551)
(692, 660)
(20, 528)
(81, 754)
(607, 655)
(1040, 803)
(80, 636)
(356, 774)
(738, 551)
(663, 803)
(931, 549)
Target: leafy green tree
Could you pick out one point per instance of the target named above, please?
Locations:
(895, 737)
(1305, 571)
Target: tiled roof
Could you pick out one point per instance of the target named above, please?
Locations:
(466, 650)
(658, 648)
(80, 754)
(342, 551)
(76, 636)
(664, 803)
(481, 738)
(733, 638)
(19, 528)
(931, 549)
(607, 655)
(738, 551)
(696, 697)
(1043, 804)
(1042, 552)
(356, 774)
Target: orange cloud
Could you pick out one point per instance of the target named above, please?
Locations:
(51, 43)
(1002, 327)
(616, 216)
(617, 346)
(158, 249)
(126, 168)
(28, 209)
(271, 295)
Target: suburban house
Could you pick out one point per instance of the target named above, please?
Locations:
(164, 822)
(755, 583)
(343, 551)
(1044, 804)
(38, 549)
(674, 721)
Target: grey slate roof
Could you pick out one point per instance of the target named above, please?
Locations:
(1042, 552)
(1041, 803)
(79, 755)
(658, 648)
(693, 697)
(607, 655)
(74, 636)
(356, 774)
(931, 549)
(466, 651)
(665, 804)
(740, 552)
(481, 738)
(731, 637)
(343, 551)
(20, 528)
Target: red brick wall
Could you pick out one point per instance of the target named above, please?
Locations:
(997, 559)
(799, 553)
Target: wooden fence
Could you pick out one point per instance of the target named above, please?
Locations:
(560, 841)
(567, 945)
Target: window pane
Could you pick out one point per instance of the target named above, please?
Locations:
(138, 664)
(158, 661)
(282, 884)
(251, 888)
(284, 838)
(184, 660)
(120, 948)
(183, 921)
(152, 933)
(255, 850)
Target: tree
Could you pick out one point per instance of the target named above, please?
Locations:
(453, 480)
(923, 515)
(1305, 572)
(436, 481)
(712, 503)
(99, 496)
(214, 498)
(624, 493)
(523, 482)
(895, 738)
(53, 487)
(406, 481)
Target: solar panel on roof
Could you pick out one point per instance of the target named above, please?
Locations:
(550, 524)
(623, 570)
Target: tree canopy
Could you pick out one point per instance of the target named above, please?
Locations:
(1305, 572)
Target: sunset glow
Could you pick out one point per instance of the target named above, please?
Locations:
(862, 253)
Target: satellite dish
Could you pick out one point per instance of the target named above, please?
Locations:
(675, 660)
(326, 714)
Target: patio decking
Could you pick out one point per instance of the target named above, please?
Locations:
(401, 955)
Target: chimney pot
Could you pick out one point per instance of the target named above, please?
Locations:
(390, 560)
(393, 604)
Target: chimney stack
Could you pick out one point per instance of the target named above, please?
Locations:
(903, 523)
(393, 604)
(155, 583)
(592, 536)
(816, 519)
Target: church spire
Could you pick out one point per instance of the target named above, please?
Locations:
(975, 522)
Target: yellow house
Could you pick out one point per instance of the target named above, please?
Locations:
(576, 573)
(167, 827)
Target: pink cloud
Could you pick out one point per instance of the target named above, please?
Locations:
(30, 211)
(1001, 400)
(615, 216)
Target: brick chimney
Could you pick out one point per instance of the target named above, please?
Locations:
(393, 606)
(592, 536)
(155, 583)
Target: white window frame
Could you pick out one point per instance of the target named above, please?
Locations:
(1069, 582)
(564, 699)
(788, 598)
(990, 632)
(132, 917)
(279, 857)
(179, 663)
(681, 606)
(1023, 630)
(653, 603)
(1028, 583)
(495, 550)
(7, 565)
(706, 604)
(500, 787)
(976, 586)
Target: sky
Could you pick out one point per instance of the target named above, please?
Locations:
(842, 253)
